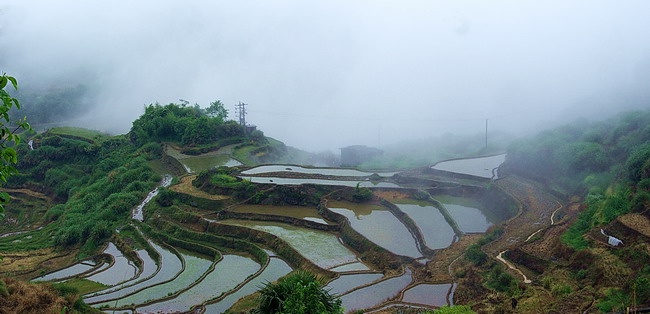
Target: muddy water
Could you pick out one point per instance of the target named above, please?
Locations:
(292, 181)
(468, 213)
(170, 266)
(350, 267)
(435, 229)
(205, 162)
(299, 212)
(276, 269)
(376, 294)
(480, 167)
(339, 172)
(378, 225)
(121, 270)
(138, 211)
(322, 248)
(73, 270)
(228, 273)
(435, 295)
(346, 283)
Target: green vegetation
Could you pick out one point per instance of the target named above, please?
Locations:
(188, 125)
(607, 163)
(9, 138)
(299, 292)
(77, 132)
(361, 194)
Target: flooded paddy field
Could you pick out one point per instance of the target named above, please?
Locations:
(375, 294)
(356, 266)
(294, 181)
(300, 212)
(428, 294)
(337, 172)
(322, 248)
(469, 213)
(436, 230)
(195, 267)
(273, 271)
(74, 270)
(170, 266)
(121, 270)
(379, 225)
(479, 166)
(200, 163)
(227, 274)
(346, 283)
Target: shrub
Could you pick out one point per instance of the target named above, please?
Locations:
(475, 255)
(299, 292)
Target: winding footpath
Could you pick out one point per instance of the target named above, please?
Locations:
(538, 208)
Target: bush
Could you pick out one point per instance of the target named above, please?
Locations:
(361, 194)
(475, 255)
(299, 292)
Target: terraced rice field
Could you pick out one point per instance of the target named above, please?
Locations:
(380, 226)
(338, 172)
(195, 267)
(121, 270)
(170, 266)
(273, 271)
(300, 212)
(322, 248)
(437, 232)
(373, 295)
(228, 273)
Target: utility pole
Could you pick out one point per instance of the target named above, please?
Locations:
(241, 110)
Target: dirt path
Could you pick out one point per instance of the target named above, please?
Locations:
(538, 211)
(186, 187)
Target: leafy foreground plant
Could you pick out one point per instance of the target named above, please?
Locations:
(300, 292)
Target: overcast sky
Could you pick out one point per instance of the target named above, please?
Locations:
(326, 74)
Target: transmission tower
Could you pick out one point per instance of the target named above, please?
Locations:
(241, 110)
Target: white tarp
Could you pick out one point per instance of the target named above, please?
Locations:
(611, 240)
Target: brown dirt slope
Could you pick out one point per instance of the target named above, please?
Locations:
(186, 187)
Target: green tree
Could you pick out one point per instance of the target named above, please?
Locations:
(300, 292)
(8, 157)
(217, 110)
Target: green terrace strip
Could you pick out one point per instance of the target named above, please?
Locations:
(435, 229)
(78, 133)
(275, 269)
(375, 294)
(300, 212)
(227, 274)
(121, 270)
(171, 265)
(348, 282)
(380, 226)
(322, 248)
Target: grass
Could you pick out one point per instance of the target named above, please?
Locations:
(242, 154)
(79, 132)
(84, 285)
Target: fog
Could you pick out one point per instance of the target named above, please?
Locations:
(326, 74)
